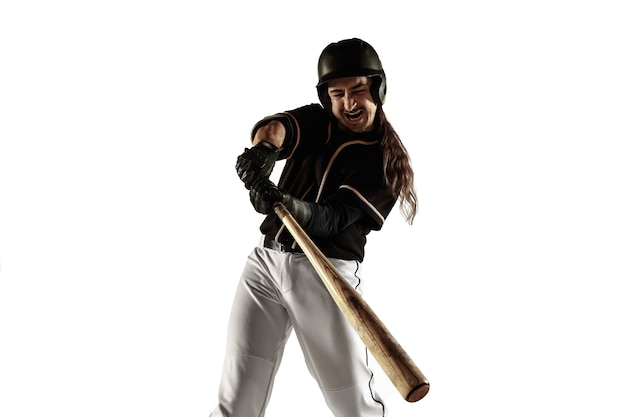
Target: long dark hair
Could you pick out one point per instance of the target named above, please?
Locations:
(398, 171)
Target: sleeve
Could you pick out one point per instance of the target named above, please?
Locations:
(367, 187)
(334, 215)
(376, 204)
(306, 128)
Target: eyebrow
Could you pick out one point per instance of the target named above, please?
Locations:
(359, 84)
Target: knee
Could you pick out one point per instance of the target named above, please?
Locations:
(354, 401)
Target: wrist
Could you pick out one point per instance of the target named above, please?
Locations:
(302, 211)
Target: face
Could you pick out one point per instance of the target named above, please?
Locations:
(352, 103)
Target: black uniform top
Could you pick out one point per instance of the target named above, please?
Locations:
(326, 165)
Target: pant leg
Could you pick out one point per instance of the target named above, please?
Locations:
(257, 332)
(334, 353)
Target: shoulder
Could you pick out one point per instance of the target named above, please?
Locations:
(309, 112)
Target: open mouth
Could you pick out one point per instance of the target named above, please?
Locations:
(354, 115)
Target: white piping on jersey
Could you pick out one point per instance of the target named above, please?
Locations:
(280, 231)
(362, 198)
(326, 172)
(282, 226)
(297, 134)
(297, 126)
(332, 160)
(329, 130)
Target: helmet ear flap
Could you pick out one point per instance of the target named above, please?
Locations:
(379, 88)
(322, 93)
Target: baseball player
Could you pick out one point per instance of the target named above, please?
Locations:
(345, 170)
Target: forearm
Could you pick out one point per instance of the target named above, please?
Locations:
(258, 161)
(318, 219)
(273, 132)
(330, 218)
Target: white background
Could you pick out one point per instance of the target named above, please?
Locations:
(123, 226)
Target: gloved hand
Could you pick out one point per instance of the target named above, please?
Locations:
(256, 163)
(264, 194)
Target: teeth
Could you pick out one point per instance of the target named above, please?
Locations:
(353, 115)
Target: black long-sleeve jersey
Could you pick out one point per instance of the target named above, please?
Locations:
(327, 166)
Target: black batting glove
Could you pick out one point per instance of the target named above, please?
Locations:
(256, 162)
(264, 194)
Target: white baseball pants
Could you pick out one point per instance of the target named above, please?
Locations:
(279, 292)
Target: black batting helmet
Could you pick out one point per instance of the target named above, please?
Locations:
(350, 58)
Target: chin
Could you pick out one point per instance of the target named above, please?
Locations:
(355, 128)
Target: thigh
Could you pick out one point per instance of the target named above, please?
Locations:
(257, 332)
(259, 324)
(333, 351)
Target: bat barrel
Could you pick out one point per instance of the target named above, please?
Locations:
(418, 392)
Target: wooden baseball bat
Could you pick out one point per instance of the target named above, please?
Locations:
(403, 373)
